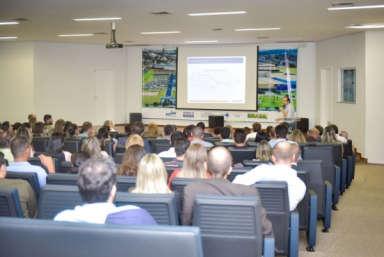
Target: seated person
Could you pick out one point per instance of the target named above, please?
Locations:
(197, 137)
(152, 131)
(239, 138)
(225, 134)
(219, 166)
(202, 126)
(151, 176)
(131, 160)
(297, 136)
(22, 150)
(90, 148)
(281, 132)
(171, 153)
(26, 194)
(256, 128)
(87, 130)
(97, 187)
(134, 139)
(282, 157)
(313, 135)
(138, 128)
(194, 165)
(263, 152)
(5, 149)
(181, 146)
(168, 131)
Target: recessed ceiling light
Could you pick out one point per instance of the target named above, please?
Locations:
(9, 23)
(160, 32)
(217, 13)
(76, 35)
(355, 7)
(98, 19)
(256, 29)
(8, 38)
(366, 26)
(200, 41)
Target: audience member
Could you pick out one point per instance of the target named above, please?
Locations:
(320, 129)
(90, 149)
(38, 129)
(239, 137)
(109, 124)
(26, 194)
(73, 131)
(105, 139)
(137, 127)
(261, 136)
(97, 187)
(297, 136)
(56, 149)
(281, 131)
(168, 131)
(131, 159)
(339, 138)
(329, 136)
(270, 130)
(194, 164)
(48, 124)
(58, 129)
(197, 137)
(171, 153)
(256, 128)
(32, 120)
(202, 126)
(134, 139)
(21, 150)
(5, 149)
(151, 176)
(217, 132)
(87, 130)
(282, 157)
(219, 166)
(187, 131)
(225, 135)
(313, 135)
(263, 151)
(152, 131)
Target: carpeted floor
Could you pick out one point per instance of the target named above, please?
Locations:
(358, 226)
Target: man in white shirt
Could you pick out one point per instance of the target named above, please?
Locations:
(281, 131)
(281, 170)
(97, 187)
(197, 137)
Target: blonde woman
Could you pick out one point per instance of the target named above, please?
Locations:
(134, 139)
(194, 165)
(152, 131)
(297, 136)
(263, 151)
(151, 176)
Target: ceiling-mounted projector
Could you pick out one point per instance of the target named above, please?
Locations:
(113, 44)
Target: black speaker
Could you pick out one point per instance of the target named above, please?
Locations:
(303, 125)
(216, 121)
(135, 116)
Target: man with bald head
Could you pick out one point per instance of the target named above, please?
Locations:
(283, 155)
(219, 166)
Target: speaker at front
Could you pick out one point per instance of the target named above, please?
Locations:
(216, 121)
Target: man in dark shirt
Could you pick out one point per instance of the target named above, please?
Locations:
(219, 166)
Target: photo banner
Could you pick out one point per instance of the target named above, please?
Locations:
(277, 73)
(159, 77)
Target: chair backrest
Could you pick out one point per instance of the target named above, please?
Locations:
(18, 238)
(225, 144)
(303, 206)
(121, 139)
(254, 163)
(72, 145)
(118, 158)
(159, 145)
(62, 179)
(40, 144)
(326, 155)
(314, 168)
(30, 177)
(238, 171)
(348, 148)
(162, 207)
(125, 183)
(56, 198)
(230, 226)
(274, 197)
(10, 203)
(178, 185)
(241, 154)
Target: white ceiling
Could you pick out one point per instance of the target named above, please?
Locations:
(300, 20)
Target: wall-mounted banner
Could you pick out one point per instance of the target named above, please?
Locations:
(159, 77)
(277, 72)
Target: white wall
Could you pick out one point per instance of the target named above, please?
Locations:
(336, 53)
(374, 118)
(16, 81)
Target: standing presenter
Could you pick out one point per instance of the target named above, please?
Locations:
(287, 111)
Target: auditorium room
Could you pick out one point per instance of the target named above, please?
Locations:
(173, 128)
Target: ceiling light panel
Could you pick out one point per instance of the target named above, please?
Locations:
(160, 32)
(76, 35)
(3, 23)
(256, 29)
(355, 7)
(217, 13)
(98, 19)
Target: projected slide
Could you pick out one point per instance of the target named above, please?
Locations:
(216, 79)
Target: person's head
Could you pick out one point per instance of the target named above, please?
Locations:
(127, 129)
(297, 136)
(314, 134)
(108, 124)
(217, 131)
(134, 139)
(195, 162)
(21, 148)
(329, 136)
(239, 136)
(334, 127)
(271, 132)
(295, 152)
(177, 135)
(32, 119)
(256, 127)
(169, 130)
(103, 133)
(261, 136)
(131, 159)
(188, 131)
(247, 130)
(197, 133)
(91, 148)
(181, 146)
(55, 146)
(281, 131)
(201, 125)
(219, 162)
(263, 151)
(38, 129)
(59, 127)
(23, 131)
(3, 171)
(15, 126)
(97, 180)
(48, 119)
(282, 153)
(151, 176)
(286, 100)
(136, 127)
(72, 130)
(320, 129)
(87, 128)
(152, 130)
(225, 132)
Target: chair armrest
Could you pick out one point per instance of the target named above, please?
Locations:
(336, 186)
(312, 220)
(327, 206)
(294, 234)
(269, 246)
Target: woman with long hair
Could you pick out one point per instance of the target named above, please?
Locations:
(131, 159)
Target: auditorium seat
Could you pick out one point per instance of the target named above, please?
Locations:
(108, 147)
(239, 154)
(323, 189)
(45, 238)
(56, 198)
(10, 203)
(274, 198)
(118, 158)
(162, 207)
(231, 226)
(40, 144)
(72, 145)
(30, 177)
(159, 145)
(62, 179)
(177, 187)
(225, 144)
(351, 159)
(237, 171)
(254, 163)
(125, 183)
